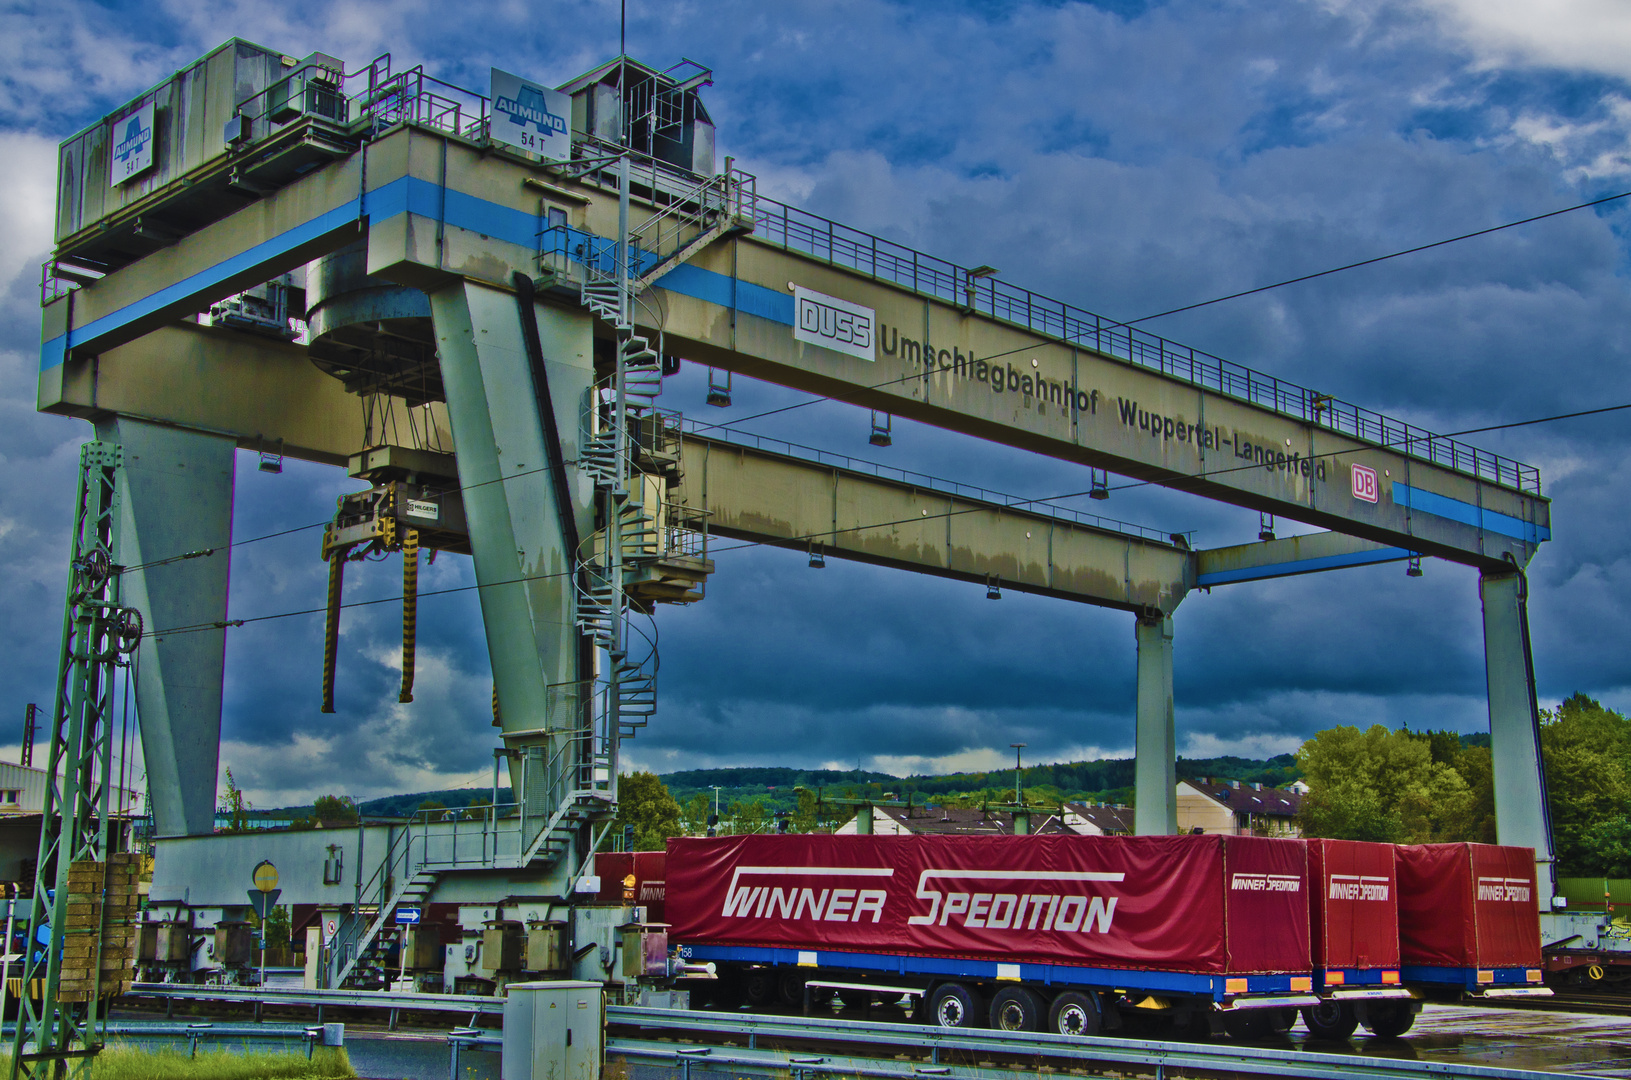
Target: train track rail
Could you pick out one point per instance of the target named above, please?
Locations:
(1602, 1004)
(817, 1049)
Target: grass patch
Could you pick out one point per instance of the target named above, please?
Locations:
(126, 1062)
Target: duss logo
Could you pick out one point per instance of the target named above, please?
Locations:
(1504, 889)
(832, 323)
(1358, 887)
(527, 107)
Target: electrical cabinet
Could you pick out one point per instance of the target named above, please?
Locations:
(546, 946)
(552, 1031)
(503, 943)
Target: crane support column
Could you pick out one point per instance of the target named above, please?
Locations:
(1155, 792)
(523, 566)
(1522, 814)
(176, 500)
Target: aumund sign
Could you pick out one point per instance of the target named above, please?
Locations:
(131, 152)
(530, 117)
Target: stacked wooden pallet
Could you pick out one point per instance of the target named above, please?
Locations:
(99, 932)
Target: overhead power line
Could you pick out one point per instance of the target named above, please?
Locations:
(741, 545)
(1215, 300)
(1377, 259)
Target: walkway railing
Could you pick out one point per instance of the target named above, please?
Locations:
(810, 234)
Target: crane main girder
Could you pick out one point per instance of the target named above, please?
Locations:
(931, 358)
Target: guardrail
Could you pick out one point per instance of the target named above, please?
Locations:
(842, 1048)
(312, 1035)
(874, 1049)
(468, 1004)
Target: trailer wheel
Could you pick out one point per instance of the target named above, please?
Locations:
(790, 987)
(1248, 1025)
(726, 992)
(1280, 1020)
(758, 987)
(1388, 1019)
(954, 1006)
(1075, 1013)
(1016, 1009)
(1334, 1020)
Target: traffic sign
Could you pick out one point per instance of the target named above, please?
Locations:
(408, 916)
(262, 901)
(264, 876)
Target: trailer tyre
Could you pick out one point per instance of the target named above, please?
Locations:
(1389, 1019)
(1248, 1025)
(954, 1006)
(1334, 1020)
(1075, 1014)
(1015, 1008)
(790, 987)
(758, 987)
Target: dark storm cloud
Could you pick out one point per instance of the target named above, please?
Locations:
(1127, 156)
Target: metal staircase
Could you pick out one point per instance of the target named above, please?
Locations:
(630, 507)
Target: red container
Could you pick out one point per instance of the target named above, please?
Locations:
(613, 869)
(1194, 904)
(1353, 905)
(1468, 906)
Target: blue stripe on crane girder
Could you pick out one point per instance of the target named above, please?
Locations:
(1478, 517)
(411, 195)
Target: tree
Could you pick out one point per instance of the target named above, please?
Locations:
(806, 817)
(234, 805)
(644, 802)
(478, 808)
(429, 805)
(335, 810)
(695, 814)
(277, 928)
(1587, 750)
(1477, 768)
(1382, 785)
(749, 816)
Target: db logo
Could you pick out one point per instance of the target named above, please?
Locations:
(1365, 485)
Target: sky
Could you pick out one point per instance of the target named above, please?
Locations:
(1126, 156)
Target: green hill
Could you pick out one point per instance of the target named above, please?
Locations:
(1106, 780)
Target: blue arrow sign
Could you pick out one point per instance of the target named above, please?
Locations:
(408, 916)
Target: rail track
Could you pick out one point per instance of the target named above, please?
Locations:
(1601, 1004)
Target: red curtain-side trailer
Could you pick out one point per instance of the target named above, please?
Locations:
(1219, 921)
